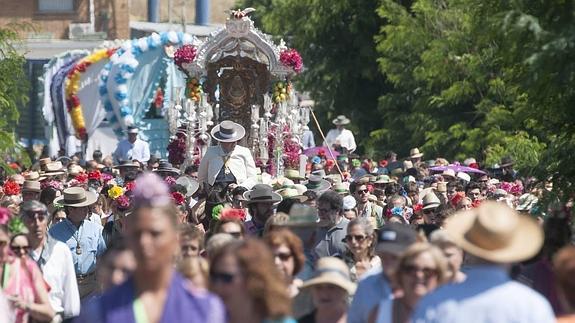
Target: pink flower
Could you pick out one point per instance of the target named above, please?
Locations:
(291, 58)
(5, 215)
(122, 202)
(185, 55)
(170, 180)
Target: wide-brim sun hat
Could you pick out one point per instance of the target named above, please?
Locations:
(341, 120)
(166, 168)
(189, 183)
(228, 131)
(262, 193)
(302, 215)
(293, 174)
(415, 153)
(333, 271)
(76, 197)
(31, 186)
(496, 233)
(317, 183)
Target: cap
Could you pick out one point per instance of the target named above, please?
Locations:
(395, 238)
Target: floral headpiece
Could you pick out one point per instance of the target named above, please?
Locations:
(95, 175)
(170, 180)
(122, 203)
(115, 192)
(151, 190)
(178, 198)
(57, 185)
(233, 214)
(81, 178)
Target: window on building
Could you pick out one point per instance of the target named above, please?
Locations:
(55, 5)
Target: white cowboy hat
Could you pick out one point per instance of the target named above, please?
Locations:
(333, 271)
(228, 131)
(76, 197)
(341, 120)
(496, 233)
(414, 153)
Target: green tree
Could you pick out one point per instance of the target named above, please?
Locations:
(13, 93)
(335, 39)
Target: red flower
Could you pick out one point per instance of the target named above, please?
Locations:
(178, 198)
(95, 175)
(75, 101)
(417, 207)
(11, 188)
(81, 178)
(130, 186)
(185, 54)
(233, 214)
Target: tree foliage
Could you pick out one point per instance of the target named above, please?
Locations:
(13, 92)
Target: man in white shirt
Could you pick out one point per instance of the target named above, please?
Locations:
(340, 139)
(132, 148)
(227, 164)
(54, 259)
(494, 236)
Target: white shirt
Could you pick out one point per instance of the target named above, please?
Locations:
(344, 137)
(487, 295)
(58, 271)
(307, 140)
(139, 150)
(241, 164)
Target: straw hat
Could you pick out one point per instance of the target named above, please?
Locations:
(464, 176)
(127, 164)
(76, 197)
(448, 173)
(414, 153)
(293, 174)
(262, 193)
(331, 270)
(33, 176)
(31, 186)
(430, 201)
(383, 179)
(228, 131)
(341, 120)
(341, 188)
(75, 170)
(496, 233)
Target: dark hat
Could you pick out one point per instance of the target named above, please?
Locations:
(262, 193)
(133, 130)
(395, 238)
(166, 168)
(317, 183)
(506, 161)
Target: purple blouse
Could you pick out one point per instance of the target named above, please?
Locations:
(182, 304)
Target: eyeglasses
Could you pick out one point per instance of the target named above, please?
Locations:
(224, 278)
(17, 249)
(427, 272)
(358, 238)
(284, 256)
(32, 216)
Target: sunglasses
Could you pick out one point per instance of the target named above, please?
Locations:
(17, 249)
(427, 272)
(358, 238)
(31, 217)
(363, 191)
(224, 278)
(283, 256)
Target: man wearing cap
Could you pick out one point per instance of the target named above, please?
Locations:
(54, 259)
(393, 240)
(227, 163)
(83, 237)
(493, 236)
(132, 148)
(340, 139)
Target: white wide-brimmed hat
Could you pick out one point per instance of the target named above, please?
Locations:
(228, 131)
(414, 153)
(496, 233)
(341, 120)
(76, 197)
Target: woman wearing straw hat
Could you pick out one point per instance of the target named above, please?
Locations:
(330, 288)
(340, 139)
(227, 163)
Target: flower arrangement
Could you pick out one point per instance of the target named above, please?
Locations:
(233, 214)
(291, 58)
(184, 55)
(130, 186)
(73, 85)
(177, 149)
(122, 203)
(57, 185)
(106, 177)
(178, 198)
(82, 178)
(11, 188)
(5, 215)
(291, 154)
(512, 188)
(170, 180)
(115, 192)
(95, 175)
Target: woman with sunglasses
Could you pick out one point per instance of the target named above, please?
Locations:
(155, 292)
(289, 258)
(421, 269)
(244, 275)
(360, 241)
(22, 281)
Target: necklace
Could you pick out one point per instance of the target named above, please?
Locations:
(76, 235)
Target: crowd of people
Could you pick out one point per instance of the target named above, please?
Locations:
(349, 240)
